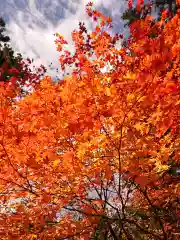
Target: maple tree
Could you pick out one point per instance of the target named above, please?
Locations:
(19, 73)
(146, 8)
(14, 70)
(95, 156)
(135, 13)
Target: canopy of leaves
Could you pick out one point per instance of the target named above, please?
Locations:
(145, 8)
(13, 69)
(95, 155)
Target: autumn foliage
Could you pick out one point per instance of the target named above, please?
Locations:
(15, 72)
(96, 156)
(20, 77)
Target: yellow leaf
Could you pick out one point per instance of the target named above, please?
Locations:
(161, 167)
(143, 128)
(138, 126)
(98, 202)
(107, 79)
(55, 163)
(130, 115)
(142, 99)
(81, 84)
(108, 92)
(130, 76)
(130, 97)
(34, 236)
(178, 102)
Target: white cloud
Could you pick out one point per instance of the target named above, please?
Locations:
(32, 28)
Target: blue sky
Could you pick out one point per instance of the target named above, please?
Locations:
(32, 23)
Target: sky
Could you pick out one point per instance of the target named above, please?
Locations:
(31, 24)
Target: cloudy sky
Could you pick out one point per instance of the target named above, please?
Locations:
(32, 23)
